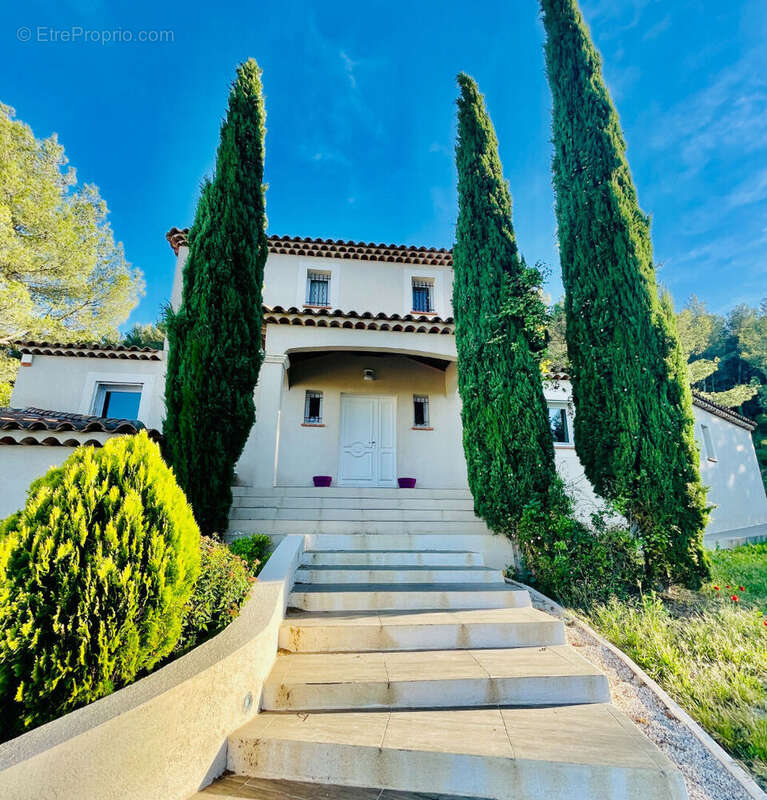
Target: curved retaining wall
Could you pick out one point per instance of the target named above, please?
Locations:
(163, 737)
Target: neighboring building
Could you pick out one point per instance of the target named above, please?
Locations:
(359, 382)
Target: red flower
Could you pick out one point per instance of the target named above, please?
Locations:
(765, 622)
(727, 586)
(734, 598)
(742, 588)
(716, 588)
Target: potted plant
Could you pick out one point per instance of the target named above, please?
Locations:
(406, 483)
(322, 480)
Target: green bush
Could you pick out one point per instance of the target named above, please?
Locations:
(254, 549)
(95, 572)
(223, 585)
(572, 562)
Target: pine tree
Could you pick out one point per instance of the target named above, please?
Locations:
(634, 421)
(500, 333)
(215, 337)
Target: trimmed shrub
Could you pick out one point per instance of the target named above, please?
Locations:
(221, 589)
(254, 549)
(95, 572)
(572, 562)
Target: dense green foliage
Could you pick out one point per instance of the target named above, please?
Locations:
(149, 335)
(215, 337)
(224, 582)
(572, 562)
(62, 276)
(500, 332)
(634, 423)
(253, 549)
(707, 651)
(94, 575)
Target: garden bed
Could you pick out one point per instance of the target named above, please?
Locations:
(707, 649)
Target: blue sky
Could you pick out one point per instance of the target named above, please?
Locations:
(361, 119)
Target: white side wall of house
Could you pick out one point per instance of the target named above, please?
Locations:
(68, 383)
(731, 472)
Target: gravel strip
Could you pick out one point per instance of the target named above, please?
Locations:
(705, 776)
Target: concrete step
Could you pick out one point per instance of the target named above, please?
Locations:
(418, 503)
(350, 491)
(361, 573)
(308, 632)
(353, 526)
(529, 676)
(385, 597)
(557, 753)
(357, 515)
(388, 558)
(242, 787)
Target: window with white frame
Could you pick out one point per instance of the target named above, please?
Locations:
(313, 408)
(317, 288)
(708, 442)
(559, 424)
(423, 294)
(117, 400)
(420, 411)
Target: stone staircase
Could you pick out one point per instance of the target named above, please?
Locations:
(421, 670)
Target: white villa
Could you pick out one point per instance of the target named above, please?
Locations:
(358, 383)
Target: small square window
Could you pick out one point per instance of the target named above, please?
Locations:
(560, 429)
(708, 443)
(117, 400)
(317, 288)
(420, 411)
(313, 408)
(423, 295)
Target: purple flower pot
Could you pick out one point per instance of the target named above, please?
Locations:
(322, 480)
(406, 483)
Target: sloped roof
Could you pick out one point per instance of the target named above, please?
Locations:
(559, 373)
(365, 320)
(60, 422)
(90, 350)
(340, 248)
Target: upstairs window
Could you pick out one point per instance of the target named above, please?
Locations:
(313, 408)
(317, 288)
(420, 411)
(708, 443)
(117, 400)
(423, 295)
(560, 427)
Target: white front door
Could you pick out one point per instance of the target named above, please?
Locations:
(368, 453)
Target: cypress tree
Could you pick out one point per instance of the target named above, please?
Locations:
(634, 421)
(499, 320)
(215, 337)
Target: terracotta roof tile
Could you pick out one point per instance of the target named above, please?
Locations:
(89, 350)
(365, 320)
(340, 248)
(37, 419)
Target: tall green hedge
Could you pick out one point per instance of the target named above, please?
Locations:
(214, 339)
(500, 333)
(94, 575)
(634, 421)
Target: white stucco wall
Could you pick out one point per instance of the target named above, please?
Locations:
(68, 383)
(433, 457)
(734, 483)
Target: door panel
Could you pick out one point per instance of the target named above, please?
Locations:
(387, 457)
(358, 424)
(368, 434)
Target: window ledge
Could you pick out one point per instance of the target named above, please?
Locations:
(312, 424)
(431, 313)
(313, 305)
(564, 446)
(422, 428)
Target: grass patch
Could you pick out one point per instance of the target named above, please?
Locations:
(706, 650)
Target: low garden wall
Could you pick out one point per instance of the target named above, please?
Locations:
(163, 737)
